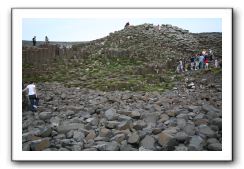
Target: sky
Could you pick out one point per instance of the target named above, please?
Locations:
(69, 30)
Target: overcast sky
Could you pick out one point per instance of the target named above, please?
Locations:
(91, 29)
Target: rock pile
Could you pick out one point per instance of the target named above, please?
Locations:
(74, 119)
(143, 42)
(157, 50)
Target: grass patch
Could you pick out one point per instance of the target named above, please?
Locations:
(106, 74)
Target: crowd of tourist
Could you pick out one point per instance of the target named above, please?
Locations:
(198, 61)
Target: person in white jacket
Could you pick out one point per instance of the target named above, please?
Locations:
(31, 88)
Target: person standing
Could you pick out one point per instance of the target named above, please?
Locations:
(46, 40)
(127, 25)
(34, 41)
(206, 62)
(192, 62)
(216, 63)
(181, 66)
(201, 62)
(32, 95)
(197, 62)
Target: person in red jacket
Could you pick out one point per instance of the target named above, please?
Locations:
(206, 62)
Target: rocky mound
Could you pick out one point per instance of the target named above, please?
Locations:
(144, 42)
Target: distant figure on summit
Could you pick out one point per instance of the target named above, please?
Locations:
(46, 40)
(127, 25)
(34, 41)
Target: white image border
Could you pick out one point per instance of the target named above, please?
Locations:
(225, 155)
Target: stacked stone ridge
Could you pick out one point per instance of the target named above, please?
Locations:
(146, 43)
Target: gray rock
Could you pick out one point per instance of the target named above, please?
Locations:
(183, 116)
(55, 121)
(210, 108)
(215, 147)
(78, 147)
(193, 109)
(63, 149)
(38, 122)
(93, 121)
(163, 118)
(90, 149)
(143, 149)
(72, 126)
(199, 122)
(118, 138)
(63, 96)
(205, 130)
(124, 118)
(26, 146)
(111, 114)
(139, 124)
(148, 143)
(189, 129)
(199, 116)
(212, 115)
(70, 134)
(181, 147)
(181, 123)
(151, 119)
(46, 132)
(99, 138)
(212, 141)
(135, 115)
(196, 143)
(124, 125)
(107, 146)
(26, 137)
(112, 124)
(45, 115)
(91, 135)
(164, 138)
(172, 130)
(156, 131)
(133, 138)
(171, 113)
(217, 122)
(172, 122)
(181, 136)
(127, 147)
(104, 132)
(60, 137)
(67, 142)
(78, 136)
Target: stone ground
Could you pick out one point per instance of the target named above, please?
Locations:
(186, 118)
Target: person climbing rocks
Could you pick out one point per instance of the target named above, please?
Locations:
(127, 25)
(34, 41)
(32, 95)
